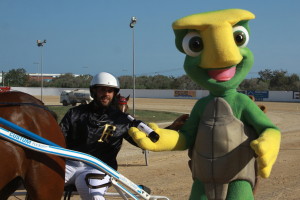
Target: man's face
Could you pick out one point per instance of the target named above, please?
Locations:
(104, 95)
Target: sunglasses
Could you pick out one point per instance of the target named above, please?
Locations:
(106, 89)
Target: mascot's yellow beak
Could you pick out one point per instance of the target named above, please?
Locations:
(215, 29)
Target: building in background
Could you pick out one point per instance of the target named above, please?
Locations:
(46, 77)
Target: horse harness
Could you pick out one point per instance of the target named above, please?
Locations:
(6, 104)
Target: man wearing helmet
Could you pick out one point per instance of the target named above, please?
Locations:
(98, 129)
(104, 87)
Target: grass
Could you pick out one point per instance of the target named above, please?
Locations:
(155, 116)
(60, 111)
(144, 115)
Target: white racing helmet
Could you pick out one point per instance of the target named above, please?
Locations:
(104, 79)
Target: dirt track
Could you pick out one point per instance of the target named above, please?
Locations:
(168, 173)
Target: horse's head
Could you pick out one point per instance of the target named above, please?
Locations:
(122, 102)
(262, 107)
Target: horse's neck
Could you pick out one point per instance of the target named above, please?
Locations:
(123, 103)
(123, 107)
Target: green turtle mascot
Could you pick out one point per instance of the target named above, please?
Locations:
(226, 131)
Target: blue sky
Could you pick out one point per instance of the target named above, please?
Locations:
(87, 37)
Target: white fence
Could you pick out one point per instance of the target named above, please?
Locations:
(282, 96)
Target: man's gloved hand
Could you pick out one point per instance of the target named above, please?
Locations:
(168, 139)
(267, 148)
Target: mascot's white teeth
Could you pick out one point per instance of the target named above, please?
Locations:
(222, 74)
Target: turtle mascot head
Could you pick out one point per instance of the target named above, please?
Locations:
(215, 44)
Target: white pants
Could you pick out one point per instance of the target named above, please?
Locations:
(75, 174)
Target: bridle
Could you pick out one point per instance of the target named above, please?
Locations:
(122, 103)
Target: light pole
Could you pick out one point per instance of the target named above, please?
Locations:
(132, 24)
(41, 44)
(37, 69)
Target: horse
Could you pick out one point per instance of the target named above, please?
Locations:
(42, 175)
(262, 107)
(176, 125)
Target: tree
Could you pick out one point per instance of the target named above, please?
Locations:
(265, 75)
(69, 80)
(126, 82)
(268, 80)
(34, 83)
(253, 84)
(84, 80)
(279, 80)
(184, 82)
(294, 82)
(154, 82)
(16, 77)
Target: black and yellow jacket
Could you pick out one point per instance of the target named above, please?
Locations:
(84, 125)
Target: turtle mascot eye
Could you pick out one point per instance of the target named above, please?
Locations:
(192, 44)
(241, 36)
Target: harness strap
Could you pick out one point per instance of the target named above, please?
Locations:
(4, 104)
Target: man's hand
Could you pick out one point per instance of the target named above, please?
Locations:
(168, 139)
(267, 148)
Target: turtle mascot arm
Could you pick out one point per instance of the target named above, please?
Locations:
(226, 130)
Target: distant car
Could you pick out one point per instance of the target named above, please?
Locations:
(72, 97)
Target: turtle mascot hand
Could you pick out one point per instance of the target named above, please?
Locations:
(168, 139)
(267, 148)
